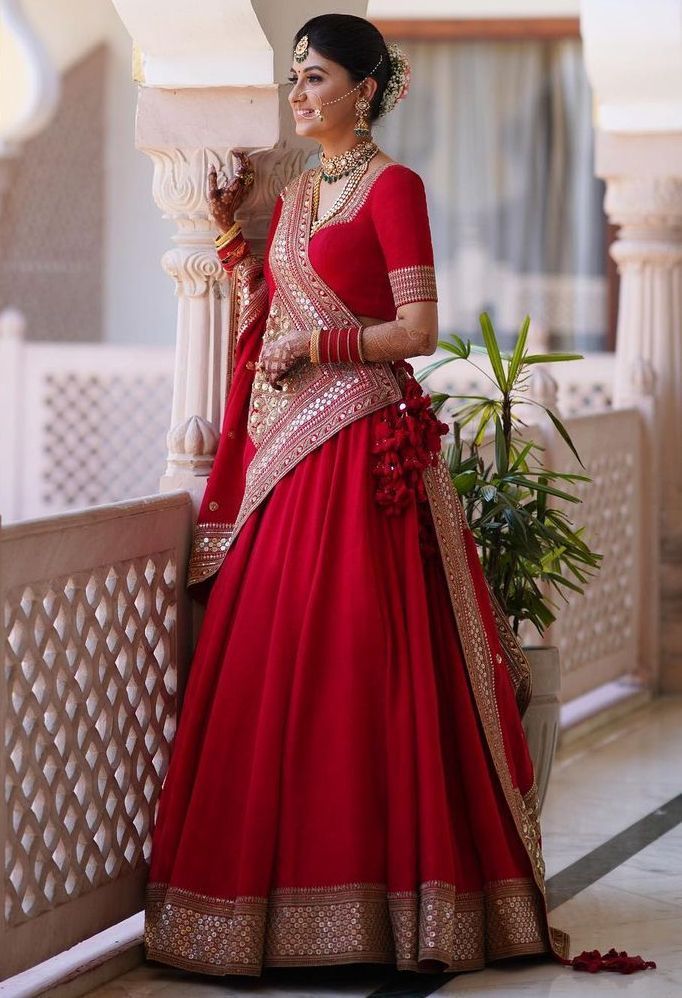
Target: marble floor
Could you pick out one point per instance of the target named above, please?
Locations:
(612, 827)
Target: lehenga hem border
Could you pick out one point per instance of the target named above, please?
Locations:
(345, 923)
(338, 959)
(242, 970)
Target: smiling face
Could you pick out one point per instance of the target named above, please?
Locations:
(315, 82)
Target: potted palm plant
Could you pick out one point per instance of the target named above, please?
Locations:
(532, 553)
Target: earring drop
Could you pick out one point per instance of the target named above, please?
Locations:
(362, 118)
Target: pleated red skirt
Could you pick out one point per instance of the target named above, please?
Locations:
(330, 796)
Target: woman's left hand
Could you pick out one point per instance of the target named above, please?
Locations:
(279, 356)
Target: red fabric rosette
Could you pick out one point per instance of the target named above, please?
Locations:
(407, 442)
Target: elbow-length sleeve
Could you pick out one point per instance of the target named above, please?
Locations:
(401, 220)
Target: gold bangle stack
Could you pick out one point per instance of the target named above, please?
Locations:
(228, 236)
(315, 346)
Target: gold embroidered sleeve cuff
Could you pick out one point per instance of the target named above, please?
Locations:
(410, 284)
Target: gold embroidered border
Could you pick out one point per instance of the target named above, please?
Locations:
(449, 522)
(520, 671)
(417, 283)
(210, 542)
(530, 819)
(347, 923)
(515, 920)
(248, 294)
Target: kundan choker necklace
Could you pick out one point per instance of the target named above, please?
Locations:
(335, 167)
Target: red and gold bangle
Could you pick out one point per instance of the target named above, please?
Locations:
(340, 345)
(231, 247)
(230, 256)
(229, 253)
(228, 236)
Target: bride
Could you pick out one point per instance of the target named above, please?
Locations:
(350, 781)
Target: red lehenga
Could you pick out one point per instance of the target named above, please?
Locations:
(350, 780)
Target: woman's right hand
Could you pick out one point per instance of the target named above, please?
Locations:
(224, 201)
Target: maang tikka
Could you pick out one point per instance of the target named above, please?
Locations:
(301, 50)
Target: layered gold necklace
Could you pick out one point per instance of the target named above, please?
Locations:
(342, 200)
(352, 164)
(335, 167)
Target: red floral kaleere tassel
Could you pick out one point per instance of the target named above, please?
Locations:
(408, 442)
(592, 962)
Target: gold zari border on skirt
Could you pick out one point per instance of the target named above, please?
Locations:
(348, 923)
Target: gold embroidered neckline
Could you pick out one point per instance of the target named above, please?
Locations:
(346, 196)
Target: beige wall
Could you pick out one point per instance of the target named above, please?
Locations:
(138, 301)
(467, 8)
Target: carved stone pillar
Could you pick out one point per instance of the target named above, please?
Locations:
(179, 181)
(184, 133)
(212, 82)
(648, 252)
(634, 68)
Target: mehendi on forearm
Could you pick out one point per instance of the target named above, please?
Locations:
(394, 341)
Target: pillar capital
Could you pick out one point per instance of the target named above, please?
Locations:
(645, 203)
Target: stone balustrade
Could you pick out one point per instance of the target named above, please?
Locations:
(95, 642)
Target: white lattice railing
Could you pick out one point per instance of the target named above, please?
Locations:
(601, 635)
(82, 424)
(95, 639)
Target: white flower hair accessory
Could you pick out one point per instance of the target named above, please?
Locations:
(398, 82)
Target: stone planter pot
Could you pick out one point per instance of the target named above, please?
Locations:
(541, 720)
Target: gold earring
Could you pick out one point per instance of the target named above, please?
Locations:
(362, 118)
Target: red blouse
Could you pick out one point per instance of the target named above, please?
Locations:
(376, 252)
